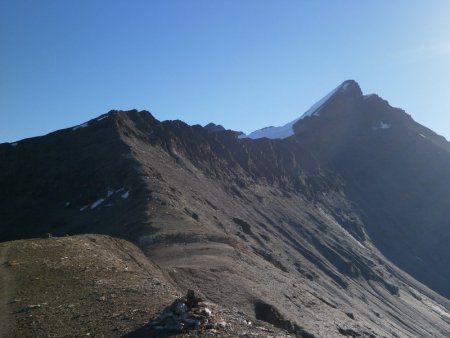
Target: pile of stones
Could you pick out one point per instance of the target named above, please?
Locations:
(187, 313)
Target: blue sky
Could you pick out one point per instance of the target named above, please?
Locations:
(243, 64)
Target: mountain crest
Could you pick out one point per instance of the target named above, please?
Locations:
(308, 233)
(351, 87)
(348, 90)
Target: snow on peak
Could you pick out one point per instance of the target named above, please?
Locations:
(345, 86)
(272, 132)
(287, 130)
(315, 109)
(102, 117)
(84, 125)
(382, 125)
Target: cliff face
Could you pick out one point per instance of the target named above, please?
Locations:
(310, 232)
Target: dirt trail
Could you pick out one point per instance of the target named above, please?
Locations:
(6, 292)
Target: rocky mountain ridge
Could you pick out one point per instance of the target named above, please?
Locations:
(312, 229)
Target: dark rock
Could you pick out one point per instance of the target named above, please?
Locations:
(192, 299)
(270, 314)
(350, 315)
(349, 332)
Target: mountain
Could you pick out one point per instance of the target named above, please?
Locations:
(288, 129)
(336, 225)
(395, 171)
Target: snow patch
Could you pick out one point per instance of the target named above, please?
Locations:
(97, 203)
(124, 194)
(437, 308)
(272, 132)
(419, 259)
(102, 117)
(287, 130)
(84, 125)
(422, 135)
(382, 125)
(315, 109)
(14, 144)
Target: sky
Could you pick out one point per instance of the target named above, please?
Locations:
(243, 64)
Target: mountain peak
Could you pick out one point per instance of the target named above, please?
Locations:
(350, 84)
(349, 90)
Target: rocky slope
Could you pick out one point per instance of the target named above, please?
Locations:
(93, 285)
(396, 171)
(308, 233)
(74, 286)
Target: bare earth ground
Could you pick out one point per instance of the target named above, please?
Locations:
(6, 293)
(92, 286)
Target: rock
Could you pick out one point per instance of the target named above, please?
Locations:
(191, 322)
(199, 316)
(206, 312)
(32, 306)
(176, 326)
(191, 299)
(210, 326)
(186, 313)
(180, 308)
(222, 324)
(348, 332)
(164, 315)
(350, 315)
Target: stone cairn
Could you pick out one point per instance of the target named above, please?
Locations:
(186, 313)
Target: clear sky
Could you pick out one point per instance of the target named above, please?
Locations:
(244, 64)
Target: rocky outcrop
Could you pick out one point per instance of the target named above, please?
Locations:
(187, 313)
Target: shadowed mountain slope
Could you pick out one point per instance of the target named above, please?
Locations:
(396, 171)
